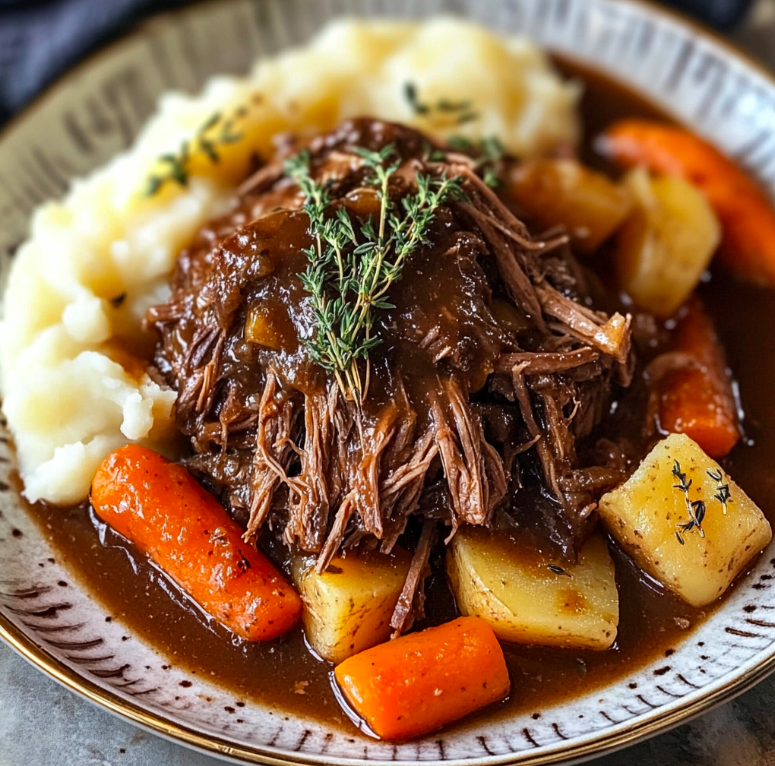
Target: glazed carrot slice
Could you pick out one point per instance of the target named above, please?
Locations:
(745, 212)
(163, 510)
(421, 681)
(698, 401)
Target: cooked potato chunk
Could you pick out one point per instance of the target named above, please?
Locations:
(530, 599)
(587, 203)
(685, 522)
(666, 243)
(347, 608)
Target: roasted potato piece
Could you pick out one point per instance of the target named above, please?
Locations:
(743, 207)
(528, 598)
(348, 607)
(652, 514)
(587, 203)
(666, 243)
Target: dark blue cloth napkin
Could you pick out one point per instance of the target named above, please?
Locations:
(39, 39)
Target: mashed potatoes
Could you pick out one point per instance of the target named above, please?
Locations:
(74, 382)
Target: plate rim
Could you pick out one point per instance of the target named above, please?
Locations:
(609, 740)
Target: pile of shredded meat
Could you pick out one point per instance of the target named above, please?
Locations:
(492, 366)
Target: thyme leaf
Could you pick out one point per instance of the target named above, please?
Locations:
(354, 261)
(490, 178)
(489, 153)
(216, 132)
(695, 509)
(463, 110)
(723, 494)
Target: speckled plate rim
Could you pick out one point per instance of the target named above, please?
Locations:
(618, 736)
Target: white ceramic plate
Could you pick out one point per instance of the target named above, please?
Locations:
(50, 617)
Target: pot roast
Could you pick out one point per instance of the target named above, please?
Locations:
(490, 364)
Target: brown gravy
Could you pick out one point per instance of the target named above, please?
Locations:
(286, 675)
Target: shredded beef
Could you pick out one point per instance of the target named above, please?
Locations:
(469, 411)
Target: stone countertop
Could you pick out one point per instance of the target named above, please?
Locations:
(42, 723)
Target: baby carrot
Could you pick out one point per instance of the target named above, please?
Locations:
(163, 510)
(698, 401)
(421, 681)
(745, 212)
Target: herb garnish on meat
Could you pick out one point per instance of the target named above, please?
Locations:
(489, 153)
(350, 271)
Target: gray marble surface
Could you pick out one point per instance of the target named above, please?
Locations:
(43, 724)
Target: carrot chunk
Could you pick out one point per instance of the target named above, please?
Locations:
(163, 510)
(698, 401)
(745, 212)
(421, 681)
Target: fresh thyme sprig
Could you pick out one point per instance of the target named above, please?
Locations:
(353, 263)
(175, 167)
(696, 509)
(488, 149)
(723, 495)
(462, 110)
(489, 154)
